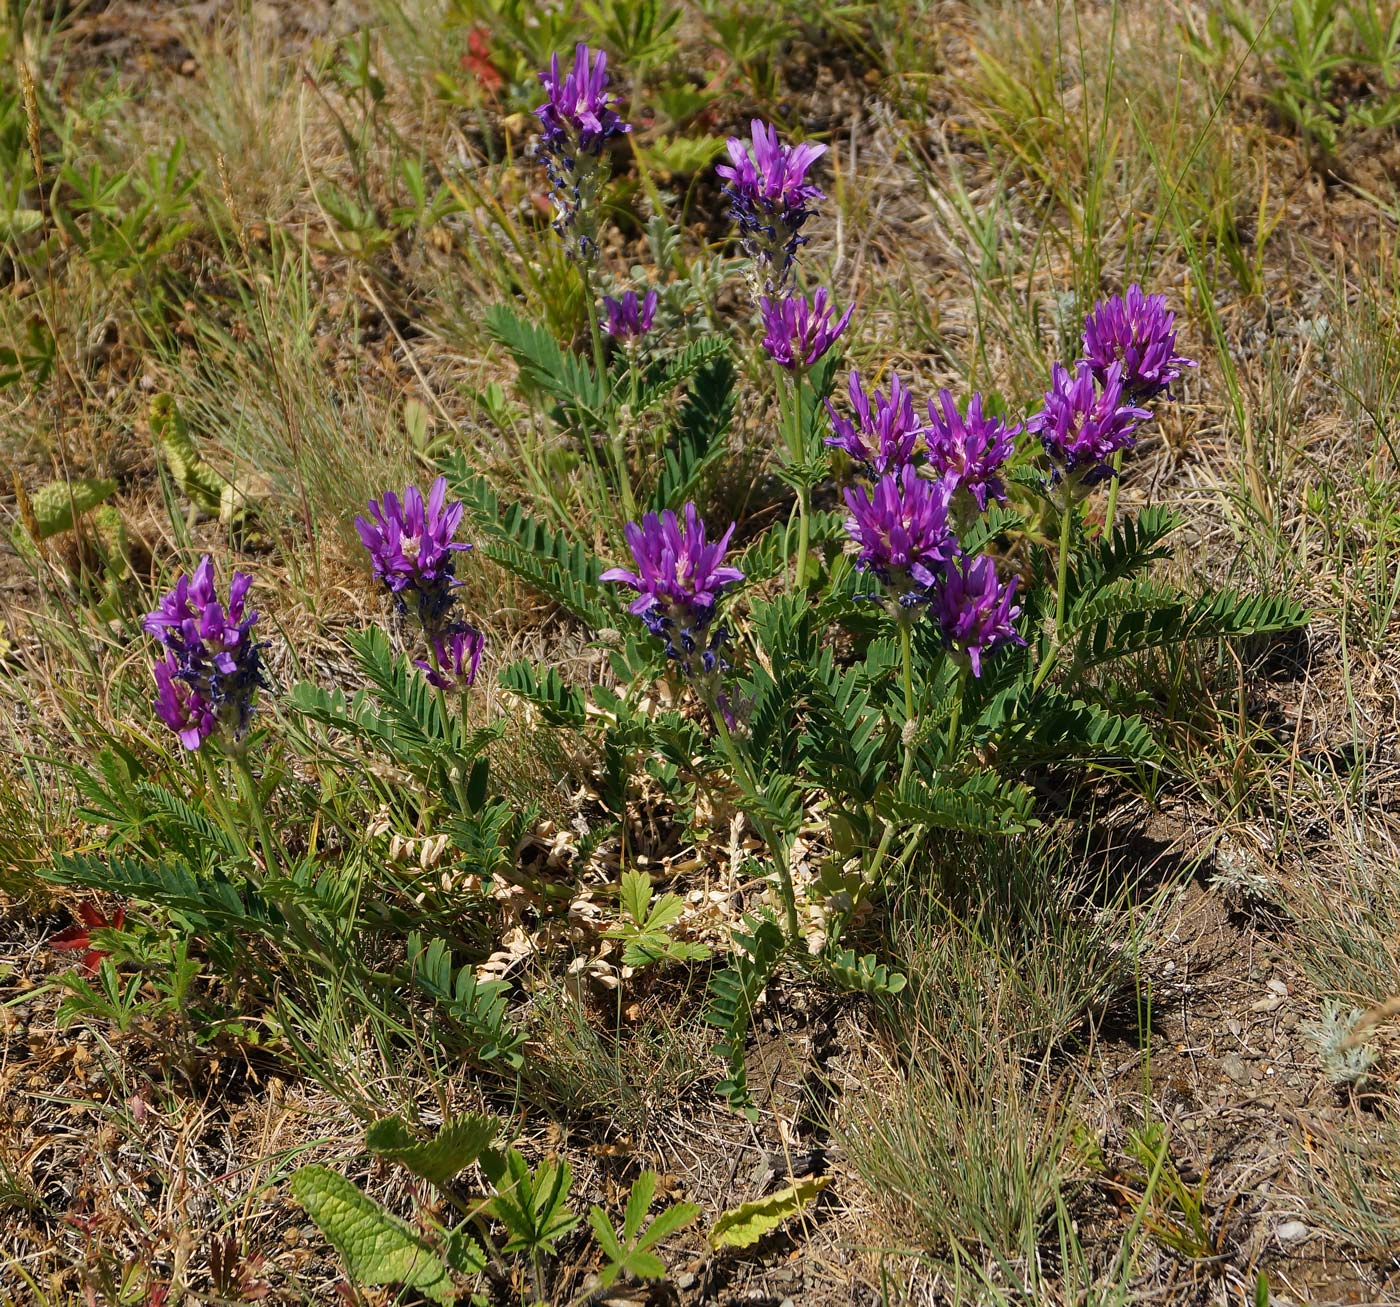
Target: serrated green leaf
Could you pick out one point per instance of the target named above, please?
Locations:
(745, 1225)
(638, 1204)
(454, 1148)
(376, 1246)
(635, 895)
(605, 1235)
(675, 1217)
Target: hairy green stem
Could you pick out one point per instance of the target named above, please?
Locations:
(950, 751)
(452, 728)
(617, 438)
(906, 658)
(249, 789)
(1062, 575)
(1112, 508)
(214, 784)
(779, 847)
(804, 531)
(1061, 585)
(790, 420)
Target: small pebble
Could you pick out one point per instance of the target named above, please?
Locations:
(1235, 1068)
(1292, 1232)
(685, 1280)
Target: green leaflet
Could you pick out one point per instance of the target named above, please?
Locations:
(561, 375)
(455, 1147)
(560, 704)
(745, 1225)
(544, 559)
(733, 993)
(376, 1246)
(58, 504)
(478, 1007)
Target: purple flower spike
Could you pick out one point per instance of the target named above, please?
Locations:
(678, 582)
(798, 333)
(902, 530)
(577, 120)
(579, 113)
(212, 668)
(970, 449)
(411, 545)
(182, 709)
(770, 198)
(458, 653)
(629, 319)
(886, 431)
(1084, 424)
(1136, 331)
(973, 609)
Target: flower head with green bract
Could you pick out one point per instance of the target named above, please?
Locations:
(1136, 331)
(901, 526)
(797, 332)
(886, 432)
(212, 669)
(1085, 423)
(679, 578)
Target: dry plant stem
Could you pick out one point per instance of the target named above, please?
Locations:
(778, 847)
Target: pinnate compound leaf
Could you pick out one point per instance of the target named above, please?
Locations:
(745, 1225)
(376, 1246)
(454, 1148)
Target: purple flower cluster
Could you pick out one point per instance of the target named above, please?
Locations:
(797, 332)
(456, 656)
(969, 448)
(577, 120)
(212, 668)
(1093, 408)
(1137, 332)
(974, 609)
(410, 545)
(678, 581)
(770, 199)
(928, 477)
(886, 432)
(1085, 423)
(578, 116)
(629, 319)
(903, 531)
